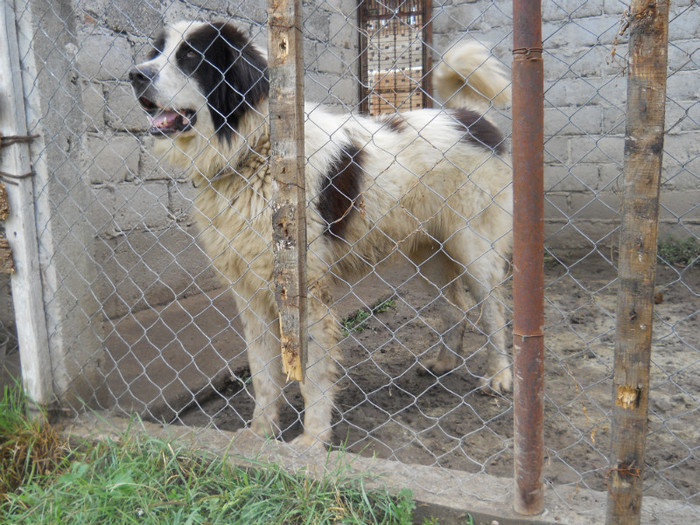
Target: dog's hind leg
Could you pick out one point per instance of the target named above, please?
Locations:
(483, 276)
(446, 359)
(261, 330)
(321, 375)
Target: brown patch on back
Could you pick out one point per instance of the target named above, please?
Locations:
(479, 130)
(340, 189)
(396, 123)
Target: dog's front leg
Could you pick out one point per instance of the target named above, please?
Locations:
(321, 375)
(261, 330)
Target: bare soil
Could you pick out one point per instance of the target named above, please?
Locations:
(389, 405)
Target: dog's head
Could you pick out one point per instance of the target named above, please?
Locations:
(201, 78)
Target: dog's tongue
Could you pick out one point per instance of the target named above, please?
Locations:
(165, 120)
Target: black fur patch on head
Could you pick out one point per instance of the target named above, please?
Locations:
(158, 45)
(232, 73)
(339, 190)
(479, 130)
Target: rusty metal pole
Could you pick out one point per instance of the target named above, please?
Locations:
(644, 141)
(528, 256)
(286, 69)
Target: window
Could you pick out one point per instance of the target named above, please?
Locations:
(395, 62)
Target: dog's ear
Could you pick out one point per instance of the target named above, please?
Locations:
(245, 80)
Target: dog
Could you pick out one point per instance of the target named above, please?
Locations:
(433, 184)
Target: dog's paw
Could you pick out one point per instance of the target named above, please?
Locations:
(438, 365)
(264, 428)
(500, 383)
(248, 440)
(308, 443)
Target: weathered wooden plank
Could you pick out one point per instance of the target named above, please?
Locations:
(286, 104)
(27, 293)
(644, 139)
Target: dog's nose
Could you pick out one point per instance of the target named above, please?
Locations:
(141, 75)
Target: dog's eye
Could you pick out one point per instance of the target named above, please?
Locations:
(191, 54)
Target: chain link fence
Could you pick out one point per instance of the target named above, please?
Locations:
(141, 322)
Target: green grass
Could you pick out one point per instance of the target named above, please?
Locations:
(679, 252)
(357, 321)
(28, 449)
(143, 480)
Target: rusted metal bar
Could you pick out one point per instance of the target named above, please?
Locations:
(286, 102)
(644, 140)
(528, 256)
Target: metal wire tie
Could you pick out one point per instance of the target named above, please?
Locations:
(15, 139)
(9, 140)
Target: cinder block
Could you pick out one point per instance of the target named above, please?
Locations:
(181, 197)
(609, 175)
(681, 55)
(684, 85)
(142, 269)
(602, 205)
(614, 119)
(565, 9)
(576, 91)
(123, 112)
(133, 16)
(684, 148)
(93, 106)
(129, 206)
(316, 23)
(567, 35)
(681, 206)
(682, 27)
(596, 149)
(153, 167)
(680, 117)
(142, 205)
(556, 150)
(580, 120)
(677, 178)
(615, 7)
(104, 56)
(583, 177)
(113, 158)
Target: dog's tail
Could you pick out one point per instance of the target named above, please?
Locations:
(468, 74)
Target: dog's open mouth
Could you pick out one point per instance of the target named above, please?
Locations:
(167, 121)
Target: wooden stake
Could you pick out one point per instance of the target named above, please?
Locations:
(287, 169)
(644, 140)
(16, 166)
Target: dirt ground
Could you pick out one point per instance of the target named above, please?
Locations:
(390, 406)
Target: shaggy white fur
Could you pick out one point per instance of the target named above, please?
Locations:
(432, 184)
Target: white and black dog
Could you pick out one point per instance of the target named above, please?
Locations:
(432, 184)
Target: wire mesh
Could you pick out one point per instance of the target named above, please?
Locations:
(141, 321)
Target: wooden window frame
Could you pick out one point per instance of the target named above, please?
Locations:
(364, 14)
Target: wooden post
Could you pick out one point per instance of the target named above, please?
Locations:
(644, 140)
(286, 69)
(16, 166)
